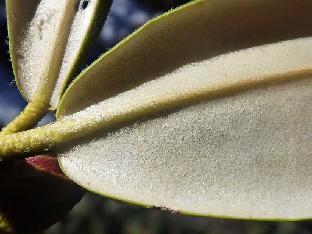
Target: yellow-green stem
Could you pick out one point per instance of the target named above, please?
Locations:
(30, 116)
(33, 141)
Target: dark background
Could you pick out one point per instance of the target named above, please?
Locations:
(98, 215)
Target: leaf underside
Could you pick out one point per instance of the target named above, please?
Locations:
(195, 32)
(48, 40)
(229, 136)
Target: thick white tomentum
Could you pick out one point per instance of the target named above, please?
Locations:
(243, 151)
(247, 155)
(77, 40)
(37, 50)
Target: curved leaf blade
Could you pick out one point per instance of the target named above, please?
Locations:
(48, 41)
(226, 137)
(192, 33)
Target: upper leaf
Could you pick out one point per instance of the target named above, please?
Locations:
(48, 40)
(192, 33)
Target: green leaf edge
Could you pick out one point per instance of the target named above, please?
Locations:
(101, 10)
